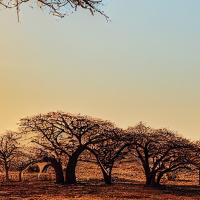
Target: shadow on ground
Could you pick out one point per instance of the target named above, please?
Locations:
(123, 189)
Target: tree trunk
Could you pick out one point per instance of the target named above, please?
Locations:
(70, 177)
(58, 171)
(59, 175)
(57, 166)
(71, 170)
(150, 179)
(20, 176)
(7, 173)
(159, 178)
(107, 177)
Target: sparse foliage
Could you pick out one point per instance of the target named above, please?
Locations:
(9, 150)
(62, 139)
(160, 151)
(66, 134)
(109, 151)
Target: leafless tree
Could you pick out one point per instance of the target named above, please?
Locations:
(22, 161)
(9, 149)
(61, 138)
(36, 155)
(195, 157)
(66, 134)
(26, 157)
(58, 7)
(160, 151)
(109, 151)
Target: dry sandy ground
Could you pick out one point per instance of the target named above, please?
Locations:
(128, 184)
(45, 190)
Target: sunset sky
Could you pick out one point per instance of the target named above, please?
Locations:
(144, 65)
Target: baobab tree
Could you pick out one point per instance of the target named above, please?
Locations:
(56, 163)
(9, 150)
(36, 154)
(65, 134)
(160, 151)
(107, 152)
(32, 155)
(195, 157)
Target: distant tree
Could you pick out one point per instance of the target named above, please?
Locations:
(195, 157)
(57, 7)
(21, 162)
(25, 158)
(64, 134)
(109, 151)
(160, 151)
(9, 150)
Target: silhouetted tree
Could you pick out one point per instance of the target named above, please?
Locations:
(22, 162)
(32, 155)
(66, 134)
(195, 157)
(9, 149)
(26, 157)
(57, 164)
(109, 151)
(160, 151)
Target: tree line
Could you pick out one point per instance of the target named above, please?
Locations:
(62, 139)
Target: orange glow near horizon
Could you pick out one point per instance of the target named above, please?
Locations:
(141, 66)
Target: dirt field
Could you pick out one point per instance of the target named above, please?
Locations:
(48, 190)
(128, 184)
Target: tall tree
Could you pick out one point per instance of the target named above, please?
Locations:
(160, 151)
(66, 134)
(109, 151)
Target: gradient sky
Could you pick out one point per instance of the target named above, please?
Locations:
(144, 65)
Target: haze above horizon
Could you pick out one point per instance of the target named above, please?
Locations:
(144, 65)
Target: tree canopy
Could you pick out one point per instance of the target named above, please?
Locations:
(63, 139)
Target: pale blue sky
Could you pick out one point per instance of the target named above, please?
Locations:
(144, 65)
